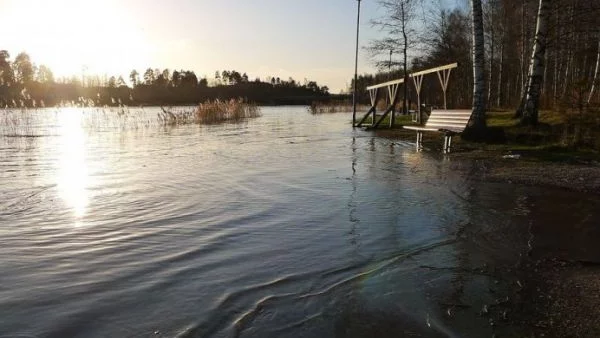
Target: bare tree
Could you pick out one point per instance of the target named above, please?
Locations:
(493, 29)
(397, 25)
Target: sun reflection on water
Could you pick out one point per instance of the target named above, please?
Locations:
(72, 176)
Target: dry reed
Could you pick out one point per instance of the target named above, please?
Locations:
(211, 112)
(332, 107)
(33, 122)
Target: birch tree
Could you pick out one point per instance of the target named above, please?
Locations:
(478, 49)
(536, 67)
(596, 70)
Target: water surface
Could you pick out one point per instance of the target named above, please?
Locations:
(288, 225)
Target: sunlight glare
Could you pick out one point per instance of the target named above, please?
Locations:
(73, 180)
(77, 36)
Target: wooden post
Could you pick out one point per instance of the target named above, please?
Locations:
(393, 95)
(418, 80)
(373, 96)
(365, 117)
(444, 77)
(354, 98)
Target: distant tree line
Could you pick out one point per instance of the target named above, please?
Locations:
(23, 84)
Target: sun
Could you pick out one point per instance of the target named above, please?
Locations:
(75, 36)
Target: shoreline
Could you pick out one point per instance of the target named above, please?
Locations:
(553, 288)
(531, 167)
(488, 165)
(558, 293)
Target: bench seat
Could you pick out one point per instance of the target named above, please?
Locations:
(423, 128)
(449, 122)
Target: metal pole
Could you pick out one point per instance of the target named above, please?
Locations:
(355, 68)
(389, 73)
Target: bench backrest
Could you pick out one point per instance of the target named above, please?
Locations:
(453, 120)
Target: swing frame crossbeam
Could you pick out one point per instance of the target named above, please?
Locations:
(443, 73)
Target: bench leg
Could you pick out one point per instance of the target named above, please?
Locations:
(447, 143)
(419, 140)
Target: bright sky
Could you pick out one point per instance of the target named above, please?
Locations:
(312, 39)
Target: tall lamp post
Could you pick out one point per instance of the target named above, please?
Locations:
(354, 98)
(389, 73)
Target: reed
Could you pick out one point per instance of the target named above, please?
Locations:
(16, 123)
(332, 107)
(217, 111)
(211, 112)
(34, 122)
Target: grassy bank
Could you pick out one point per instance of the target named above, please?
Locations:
(559, 137)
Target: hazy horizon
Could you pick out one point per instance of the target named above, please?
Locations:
(309, 39)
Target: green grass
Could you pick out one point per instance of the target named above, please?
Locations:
(501, 119)
(552, 140)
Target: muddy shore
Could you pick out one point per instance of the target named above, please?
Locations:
(553, 288)
(558, 293)
(516, 168)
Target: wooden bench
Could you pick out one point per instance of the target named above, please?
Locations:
(449, 122)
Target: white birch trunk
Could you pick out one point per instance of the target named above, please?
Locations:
(478, 117)
(491, 69)
(595, 78)
(492, 29)
(501, 66)
(536, 68)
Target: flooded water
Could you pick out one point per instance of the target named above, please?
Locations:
(288, 225)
